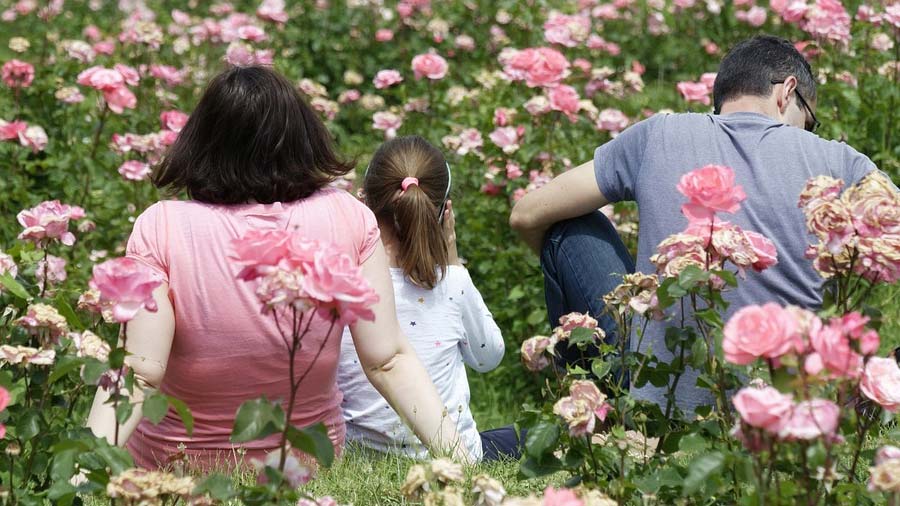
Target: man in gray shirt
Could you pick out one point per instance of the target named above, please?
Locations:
(765, 97)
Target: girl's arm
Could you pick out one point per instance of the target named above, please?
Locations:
(149, 342)
(393, 368)
(483, 346)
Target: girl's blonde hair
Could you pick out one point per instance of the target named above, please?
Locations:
(414, 211)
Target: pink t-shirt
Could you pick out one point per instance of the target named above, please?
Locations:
(225, 351)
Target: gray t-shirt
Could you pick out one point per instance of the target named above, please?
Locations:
(772, 162)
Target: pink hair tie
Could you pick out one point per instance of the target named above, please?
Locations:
(407, 182)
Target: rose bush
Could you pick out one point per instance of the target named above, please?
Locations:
(93, 92)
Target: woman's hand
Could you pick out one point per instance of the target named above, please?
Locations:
(449, 227)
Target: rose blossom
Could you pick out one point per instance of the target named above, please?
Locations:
(8, 266)
(33, 137)
(612, 120)
(26, 355)
(168, 74)
(831, 350)
(561, 497)
(119, 99)
(767, 331)
(506, 138)
(694, 92)
(832, 222)
(336, 285)
(12, 130)
(55, 269)
(387, 121)
(100, 78)
(387, 78)
(126, 285)
(532, 352)
(763, 408)
(88, 344)
(173, 120)
(384, 35)
(429, 65)
(17, 74)
(543, 66)
(710, 188)
(566, 30)
(49, 220)
(886, 453)
(564, 98)
(810, 420)
(295, 472)
(135, 170)
(42, 316)
(881, 382)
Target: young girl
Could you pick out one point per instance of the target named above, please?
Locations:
(407, 185)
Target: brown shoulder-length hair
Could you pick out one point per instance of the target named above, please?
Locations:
(414, 213)
(250, 138)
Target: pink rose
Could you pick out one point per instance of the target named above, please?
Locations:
(33, 137)
(820, 189)
(881, 382)
(173, 120)
(532, 352)
(4, 401)
(565, 99)
(831, 350)
(566, 30)
(295, 472)
(579, 417)
(875, 215)
(612, 120)
(571, 321)
(503, 116)
(767, 331)
(11, 131)
(832, 222)
(766, 255)
(513, 170)
(134, 170)
(892, 14)
(756, 16)
(506, 138)
(119, 99)
(429, 65)
(587, 391)
(129, 74)
(542, 66)
(561, 497)
(127, 286)
(54, 268)
(260, 251)
(709, 79)
(387, 121)
(17, 74)
(100, 78)
(884, 454)
(272, 10)
(763, 408)
(810, 420)
(336, 285)
(8, 266)
(49, 221)
(384, 35)
(387, 78)
(168, 74)
(710, 189)
(694, 92)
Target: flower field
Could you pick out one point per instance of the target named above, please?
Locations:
(514, 92)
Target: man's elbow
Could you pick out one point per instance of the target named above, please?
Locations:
(520, 219)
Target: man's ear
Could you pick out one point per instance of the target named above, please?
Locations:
(787, 92)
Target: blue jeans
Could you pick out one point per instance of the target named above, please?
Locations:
(583, 259)
(502, 444)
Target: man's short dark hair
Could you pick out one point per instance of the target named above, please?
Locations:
(751, 66)
(250, 138)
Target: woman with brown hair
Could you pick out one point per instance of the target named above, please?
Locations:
(407, 185)
(254, 156)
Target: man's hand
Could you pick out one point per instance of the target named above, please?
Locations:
(571, 194)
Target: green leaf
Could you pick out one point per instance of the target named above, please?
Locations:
(693, 443)
(117, 358)
(711, 317)
(184, 413)
(118, 459)
(531, 468)
(28, 425)
(541, 439)
(516, 293)
(699, 353)
(14, 287)
(218, 486)
(727, 276)
(156, 405)
(93, 369)
(601, 368)
(701, 469)
(63, 466)
(691, 276)
(124, 410)
(64, 366)
(256, 419)
(581, 335)
(314, 441)
(61, 493)
(62, 305)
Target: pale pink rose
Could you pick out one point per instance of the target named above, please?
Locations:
(168, 74)
(295, 472)
(566, 30)
(875, 215)
(795, 11)
(129, 74)
(25, 355)
(17, 74)
(571, 321)
(258, 252)
(55, 269)
(336, 285)
(882, 42)
(879, 258)
(384, 35)
(764, 408)
(810, 420)
(251, 33)
(349, 96)
(587, 391)
(68, 95)
(561, 497)
(503, 116)
(43, 317)
(832, 222)
(538, 105)
(119, 99)
(580, 419)
(135, 170)
(8, 266)
(33, 137)
(388, 122)
(100, 78)
(532, 352)
(694, 92)
(471, 141)
(892, 14)
(10, 131)
(709, 79)
(582, 64)
(513, 171)
(126, 285)
(756, 16)
(387, 78)
(710, 189)
(767, 331)
(429, 65)
(831, 350)
(881, 382)
(612, 120)
(542, 66)
(49, 220)
(827, 19)
(711, 48)
(272, 10)
(92, 33)
(766, 254)
(105, 47)
(820, 189)
(464, 42)
(565, 99)
(886, 453)
(506, 138)
(173, 120)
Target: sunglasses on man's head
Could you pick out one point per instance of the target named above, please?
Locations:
(812, 123)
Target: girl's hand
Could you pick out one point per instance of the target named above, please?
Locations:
(449, 227)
